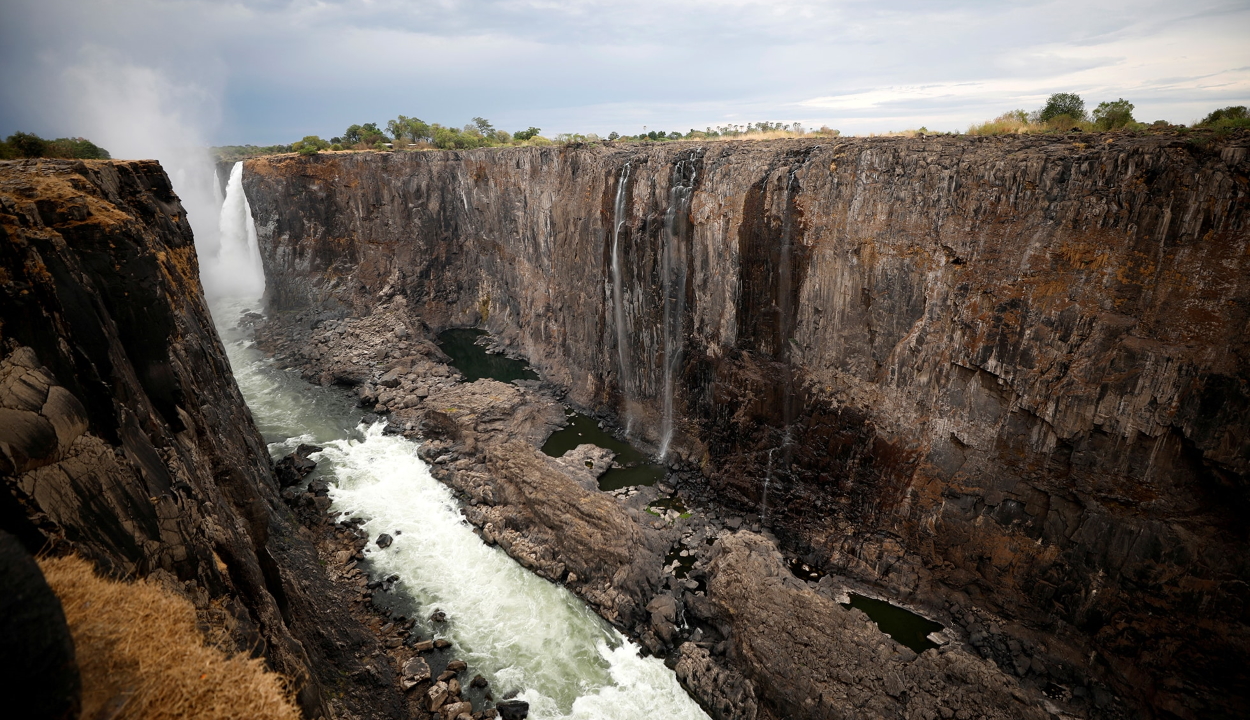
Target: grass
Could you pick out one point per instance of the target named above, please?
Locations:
(142, 657)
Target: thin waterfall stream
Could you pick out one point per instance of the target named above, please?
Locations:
(619, 219)
(524, 634)
(673, 277)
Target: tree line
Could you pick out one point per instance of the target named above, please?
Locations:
(29, 145)
(1065, 112)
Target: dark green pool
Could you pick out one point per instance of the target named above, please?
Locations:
(636, 468)
(475, 363)
(904, 626)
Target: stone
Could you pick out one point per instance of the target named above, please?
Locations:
(436, 696)
(417, 668)
(441, 643)
(512, 709)
(384, 540)
(438, 616)
(478, 682)
(457, 666)
(423, 646)
(455, 710)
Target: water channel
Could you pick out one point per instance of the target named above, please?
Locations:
(524, 634)
(631, 467)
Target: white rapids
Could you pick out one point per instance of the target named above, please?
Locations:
(521, 632)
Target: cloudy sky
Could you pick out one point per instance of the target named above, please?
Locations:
(269, 71)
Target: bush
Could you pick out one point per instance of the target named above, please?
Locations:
(529, 134)
(1112, 115)
(1231, 117)
(29, 145)
(310, 145)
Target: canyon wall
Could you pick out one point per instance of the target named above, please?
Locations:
(124, 439)
(1010, 373)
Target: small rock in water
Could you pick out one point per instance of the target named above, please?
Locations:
(513, 709)
(457, 666)
(384, 540)
(446, 675)
(478, 682)
(441, 643)
(424, 646)
(438, 616)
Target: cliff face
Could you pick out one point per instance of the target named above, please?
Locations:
(1008, 369)
(123, 436)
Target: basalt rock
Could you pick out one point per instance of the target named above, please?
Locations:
(1005, 375)
(123, 437)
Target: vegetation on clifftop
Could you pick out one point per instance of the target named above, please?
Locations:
(29, 145)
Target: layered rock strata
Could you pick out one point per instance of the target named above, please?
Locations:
(124, 439)
(1005, 378)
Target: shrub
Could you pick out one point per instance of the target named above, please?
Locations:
(310, 145)
(30, 145)
(1112, 115)
(1233, 116)
(141, 655)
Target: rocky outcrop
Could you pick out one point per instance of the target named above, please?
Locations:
(1004, 378)
(124, 439)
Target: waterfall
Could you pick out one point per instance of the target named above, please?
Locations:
(234, 269)
(619, 218)
(785, 311)
(673, 272)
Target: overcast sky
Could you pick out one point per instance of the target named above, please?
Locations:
(270, 71)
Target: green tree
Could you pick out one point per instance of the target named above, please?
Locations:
(1069, 104)
(614, 135)
(1112, 115)
(483, 126)
(351, 135)
(523, 135)
(27, 145)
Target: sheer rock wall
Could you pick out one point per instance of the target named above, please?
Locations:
(1012, 370)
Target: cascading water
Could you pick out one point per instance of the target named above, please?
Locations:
(233, 268)
(619, 218)
(523, 633)
(673, 278)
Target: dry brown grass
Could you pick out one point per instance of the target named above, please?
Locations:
(142, 657)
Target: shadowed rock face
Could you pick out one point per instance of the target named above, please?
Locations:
(123, 436)
(1008, 369)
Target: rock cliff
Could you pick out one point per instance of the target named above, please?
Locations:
(124, 439)
(1004, 378)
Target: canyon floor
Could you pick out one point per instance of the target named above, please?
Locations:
(746, 636)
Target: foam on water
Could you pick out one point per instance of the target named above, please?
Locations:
(520, 631)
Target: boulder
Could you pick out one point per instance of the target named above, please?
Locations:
(417, 669)
(512, 709)
(384, 540)
(436, 696)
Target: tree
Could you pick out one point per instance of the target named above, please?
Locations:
(614, 135)
(1112, 115)
(1069, 104)
(27, 145)
(483, 126)
(523, 135)
(351, 135)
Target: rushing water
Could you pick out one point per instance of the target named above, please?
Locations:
(520, 631)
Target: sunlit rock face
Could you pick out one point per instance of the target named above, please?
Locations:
(1012, 370)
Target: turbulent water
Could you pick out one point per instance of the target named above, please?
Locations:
(520, 631)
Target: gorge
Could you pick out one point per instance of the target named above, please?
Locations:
(1000, 381)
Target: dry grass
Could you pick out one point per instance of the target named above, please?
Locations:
(142, 657)
(1017, 122)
